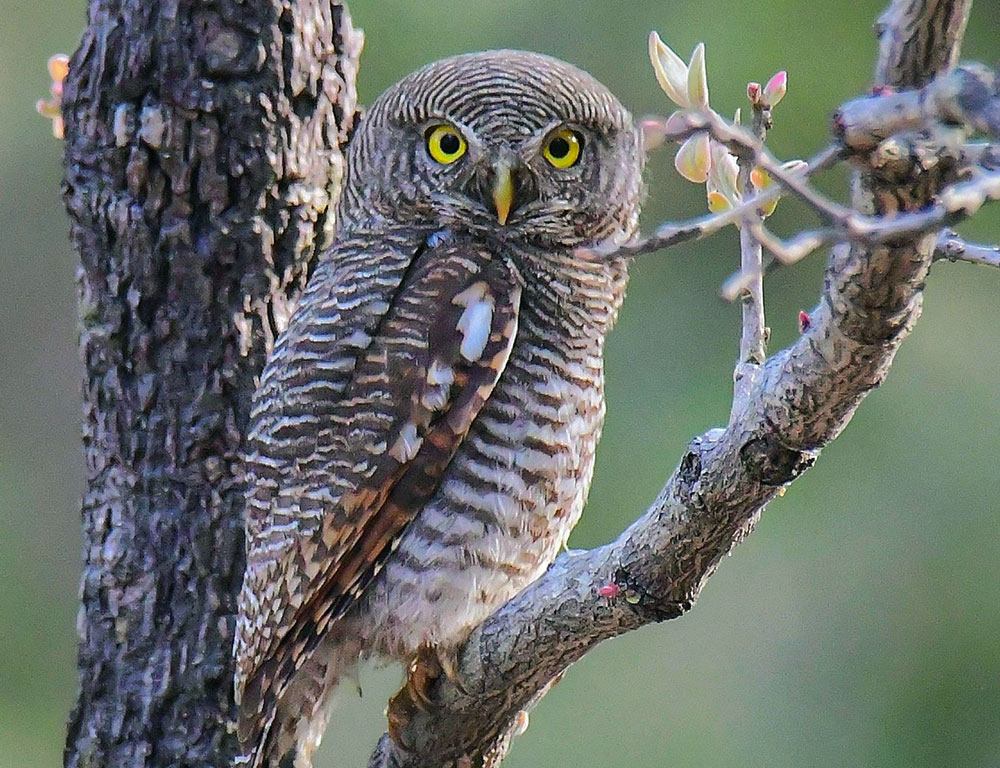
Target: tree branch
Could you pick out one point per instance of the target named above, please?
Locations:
(887, 132)
(801, 400)
(950, 247)
(753, 337)
(671, 234)
(955, 203)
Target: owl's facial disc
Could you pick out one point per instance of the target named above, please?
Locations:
(502, 144)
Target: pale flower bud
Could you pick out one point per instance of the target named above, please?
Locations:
(697, 78)
(694, 159)
(671, 71)
(775, 89)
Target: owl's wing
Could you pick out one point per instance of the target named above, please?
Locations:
(369, 394)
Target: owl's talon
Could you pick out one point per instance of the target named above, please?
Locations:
(447, 659)
(421, 673)
(412, 697)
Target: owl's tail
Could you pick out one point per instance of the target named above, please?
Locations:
(285, 744)
(287, 736)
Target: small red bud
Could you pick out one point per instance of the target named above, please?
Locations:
(611, 590)
(804, 322)
(753, 92)
(654, 132)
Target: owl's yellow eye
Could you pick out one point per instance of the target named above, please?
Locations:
(445, 144)
(563, 149)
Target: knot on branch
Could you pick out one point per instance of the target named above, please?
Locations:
(768, 462)
(690, 469)
(650, 602)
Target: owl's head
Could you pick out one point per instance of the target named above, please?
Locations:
(505, 143)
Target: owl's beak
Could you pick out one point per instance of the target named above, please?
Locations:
(503, 190)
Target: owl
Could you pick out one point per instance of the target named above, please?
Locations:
(423, 436)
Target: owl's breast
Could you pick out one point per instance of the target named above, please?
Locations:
(506, 505)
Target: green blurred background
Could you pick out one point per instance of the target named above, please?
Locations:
(858, 626)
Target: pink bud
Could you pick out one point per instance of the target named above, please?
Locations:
(654, 132)
(753, 92)
(775, 89)
(58, 67)
(611, 590)
(804, 321)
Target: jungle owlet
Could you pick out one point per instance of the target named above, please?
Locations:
(423, 436)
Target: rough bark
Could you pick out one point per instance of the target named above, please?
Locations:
(202, 153)
(795, 404)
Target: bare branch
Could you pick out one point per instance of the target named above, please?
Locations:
(784, 251)
(981, 155)
(955, 203)
(753, 337)
(950, 247)
(967, 97)
(672, 234)
(801, 400)
(918, 39)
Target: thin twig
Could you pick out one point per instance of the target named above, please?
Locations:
(670, 234)
(860, 124)
(950, 247)
(792, 180)
(981, 154)
(785, 252)
(955, 203)
(753, 337)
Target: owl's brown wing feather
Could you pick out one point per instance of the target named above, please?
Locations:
(358, 456)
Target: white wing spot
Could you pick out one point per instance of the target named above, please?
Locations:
(407, 444)
(440, 374)
(475, 292)
(476, 320)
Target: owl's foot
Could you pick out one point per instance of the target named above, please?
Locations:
(447, 659)
(413, 697)
(421, 672)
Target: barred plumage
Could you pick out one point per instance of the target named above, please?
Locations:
(423, 436)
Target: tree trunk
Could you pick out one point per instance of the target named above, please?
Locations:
(203, 155)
